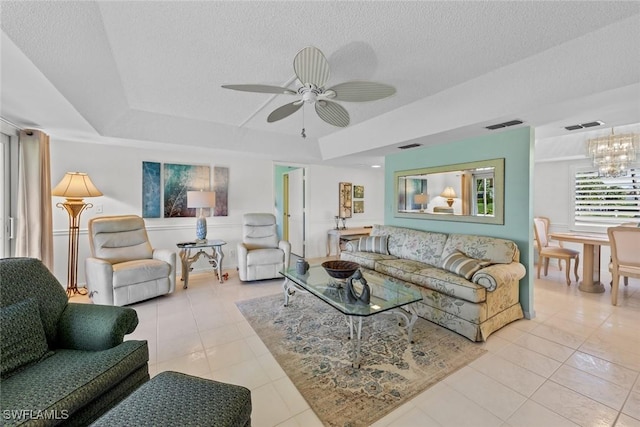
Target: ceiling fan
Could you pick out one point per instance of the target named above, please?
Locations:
(312, 70)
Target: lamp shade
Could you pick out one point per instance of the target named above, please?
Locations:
(448, 193)
(201, 199)
(76, 185)
(420, 199)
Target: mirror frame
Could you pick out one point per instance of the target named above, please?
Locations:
(498, 199)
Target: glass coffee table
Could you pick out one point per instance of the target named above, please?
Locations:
(386, 297)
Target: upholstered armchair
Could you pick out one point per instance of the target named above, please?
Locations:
(261, 255)
(124, 268)
(66, 360)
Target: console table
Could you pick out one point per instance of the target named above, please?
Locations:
(334, 236)
(214, 258)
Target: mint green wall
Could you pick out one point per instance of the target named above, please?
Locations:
(516, 147)
(279, 171)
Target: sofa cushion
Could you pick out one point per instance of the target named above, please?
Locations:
(493, 249)
(139, 271)
(22, 336)
(375, 244)
(449, 284)
(462, 265)
(399, 268)
(71, 379)
(365, 259)
(416, 245)
(22, 278)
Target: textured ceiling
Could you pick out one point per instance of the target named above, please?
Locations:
(147, 70)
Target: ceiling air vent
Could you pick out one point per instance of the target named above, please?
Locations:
(404, 147)
(505, 124)
(584, 125)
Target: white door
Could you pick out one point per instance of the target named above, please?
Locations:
(295, 211)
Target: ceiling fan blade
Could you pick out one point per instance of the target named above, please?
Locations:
(361, 91)
(284, 111)
(261, 89)
(311, 66)
(332, 113)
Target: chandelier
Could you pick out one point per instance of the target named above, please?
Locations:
(613, 154)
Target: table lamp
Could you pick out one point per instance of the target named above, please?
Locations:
(201, 199)
(449, 194)
(74, 186)
(420, 199)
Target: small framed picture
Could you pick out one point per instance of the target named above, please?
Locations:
(358, 191)
(358, 206)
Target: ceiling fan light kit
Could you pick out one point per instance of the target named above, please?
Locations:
(312, 70)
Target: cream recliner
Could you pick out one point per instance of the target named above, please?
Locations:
(261, 255)
(124, 268)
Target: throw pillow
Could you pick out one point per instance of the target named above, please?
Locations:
(462, 265)
(22, 336)
(375, 244)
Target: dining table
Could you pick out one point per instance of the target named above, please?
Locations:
(591, 257)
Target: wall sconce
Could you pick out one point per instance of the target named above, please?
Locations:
(201, 199)
(449, 194)
(420, 199)
(74, 186)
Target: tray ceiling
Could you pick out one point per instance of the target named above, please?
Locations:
(138, 69)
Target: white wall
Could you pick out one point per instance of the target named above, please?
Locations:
(322, 202)
(117, 171)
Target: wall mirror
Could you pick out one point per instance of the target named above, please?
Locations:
(468, 192)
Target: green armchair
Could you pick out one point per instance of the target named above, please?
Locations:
(62, 363)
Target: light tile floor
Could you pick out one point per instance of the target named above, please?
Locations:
(576, 364)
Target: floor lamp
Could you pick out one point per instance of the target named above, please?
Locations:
(74, 186)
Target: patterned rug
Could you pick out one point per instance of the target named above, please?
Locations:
(310, 341)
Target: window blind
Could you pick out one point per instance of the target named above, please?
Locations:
(606, 201)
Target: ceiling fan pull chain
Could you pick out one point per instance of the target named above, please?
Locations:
(303, 134)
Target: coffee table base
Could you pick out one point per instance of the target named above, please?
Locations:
(355, 322)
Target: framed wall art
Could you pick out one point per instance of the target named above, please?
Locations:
(345, 200)
(358, 191)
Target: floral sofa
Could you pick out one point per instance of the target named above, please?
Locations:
(469, 283)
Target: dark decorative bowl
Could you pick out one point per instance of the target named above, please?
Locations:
(340, 269)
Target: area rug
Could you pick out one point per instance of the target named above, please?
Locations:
(310, 341)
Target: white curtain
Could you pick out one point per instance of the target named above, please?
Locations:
(35, 225)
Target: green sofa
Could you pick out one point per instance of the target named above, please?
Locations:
(62, 363)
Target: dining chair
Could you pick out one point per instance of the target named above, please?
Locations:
(625, 256)
(547, 225)
(627, 224)
(546, 252)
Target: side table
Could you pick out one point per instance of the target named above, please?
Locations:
(214, 258)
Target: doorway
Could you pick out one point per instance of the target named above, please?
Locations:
(290, 206)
